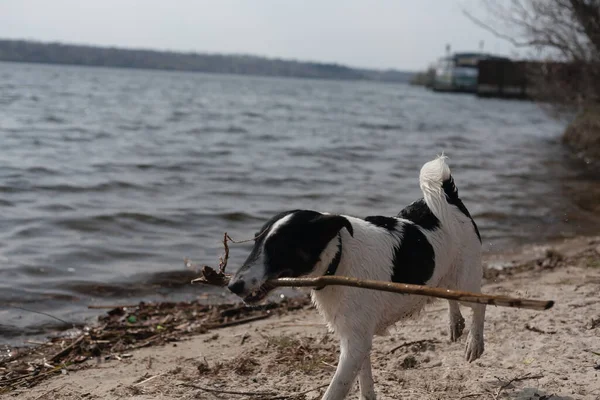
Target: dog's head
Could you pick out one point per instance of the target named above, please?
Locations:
(288, 245)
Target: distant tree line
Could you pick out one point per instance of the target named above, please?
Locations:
(59, 53)
(424, 78)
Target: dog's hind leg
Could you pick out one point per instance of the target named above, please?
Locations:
(353, 353)
(475, 345)
(365, 380)
(457, 322)
(471, 281)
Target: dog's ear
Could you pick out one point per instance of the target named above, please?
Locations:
(330, 225)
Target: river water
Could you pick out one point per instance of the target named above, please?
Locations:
(109, 177)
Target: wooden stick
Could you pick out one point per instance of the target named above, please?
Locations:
(480, 298)
(219, 279)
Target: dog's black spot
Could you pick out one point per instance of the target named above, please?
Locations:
(294, 248)
(261, 235)
(450, 190)
(388, 223)
(452, 197)
(420, 213)
(414, 258)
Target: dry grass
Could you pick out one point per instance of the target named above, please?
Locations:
(306, 354)
(245, 365)
(592, 263)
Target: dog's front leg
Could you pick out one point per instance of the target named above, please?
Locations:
(353, 352)
(365, 380)
(457, 322)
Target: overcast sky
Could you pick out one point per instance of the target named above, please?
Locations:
(402, 34)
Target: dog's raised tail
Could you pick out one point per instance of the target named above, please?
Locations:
(438, 188)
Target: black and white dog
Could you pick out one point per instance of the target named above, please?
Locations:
(434, 241)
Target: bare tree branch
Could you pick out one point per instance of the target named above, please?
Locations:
(564, 33)
(496, 33)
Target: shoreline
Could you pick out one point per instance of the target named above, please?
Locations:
(169, 350)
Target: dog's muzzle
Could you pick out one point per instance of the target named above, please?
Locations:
(239, 287)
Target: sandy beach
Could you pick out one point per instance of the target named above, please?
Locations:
(553, 354)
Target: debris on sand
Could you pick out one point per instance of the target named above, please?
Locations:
(125, 328)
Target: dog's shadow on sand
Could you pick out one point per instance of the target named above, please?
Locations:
(535, 394)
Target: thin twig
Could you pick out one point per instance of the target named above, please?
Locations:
(110, 307)
(516, 379)
(42, 313)
(223, 260)
(223, 391)
(245, 337)
(329, 365)
(315, 325)
(413, 342)
(244, 393)
(37, 343)
(237, 321)
(494, 32)
(148, 380)
(50, 391)
(436, 310)
(292, 395)
(466, 396)
(32, 376)
(67, 349)
(247, 240)
(538, 330)
(147, 343)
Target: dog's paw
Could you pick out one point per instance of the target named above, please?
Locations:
(370, 396)
(457, 325)
(474, 348)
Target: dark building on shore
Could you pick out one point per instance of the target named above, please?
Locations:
(485, 75)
